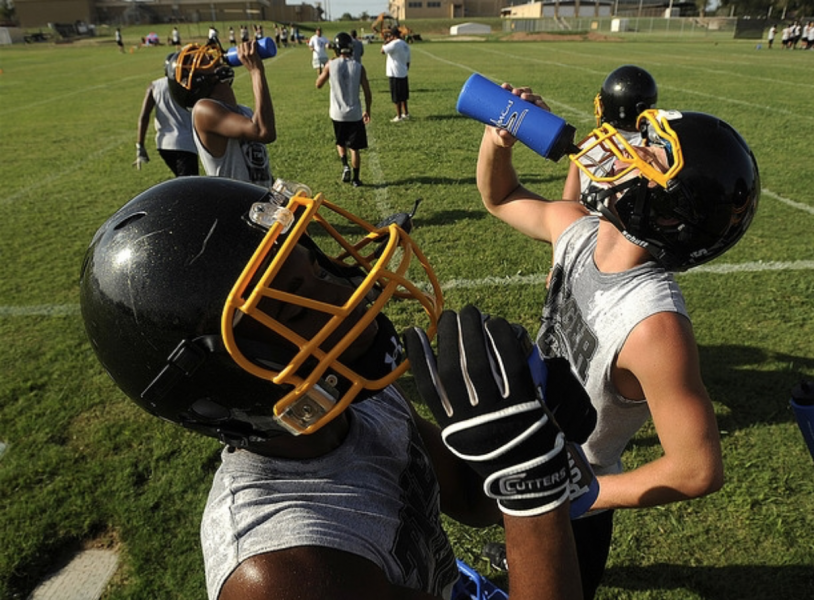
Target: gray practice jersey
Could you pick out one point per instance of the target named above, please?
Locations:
(587, 318)
(375, 496)
(345, 75)
(172, 122)
(244, 161)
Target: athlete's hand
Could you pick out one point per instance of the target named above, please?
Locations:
(141, 156)
(248, 55)
(480, 391)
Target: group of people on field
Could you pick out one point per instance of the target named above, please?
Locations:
(794, 36)
(198, 114)
(233, 319)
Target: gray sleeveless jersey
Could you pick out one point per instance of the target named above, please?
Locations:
(172, 122)
(244, 161)
(344, 76)
(588, 315)
(375, 496)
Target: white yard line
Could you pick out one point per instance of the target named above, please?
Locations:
(68, 310)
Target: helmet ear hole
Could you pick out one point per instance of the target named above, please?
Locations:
(128, 220)
(209, 410)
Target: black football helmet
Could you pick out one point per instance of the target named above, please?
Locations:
(343, 43)
(174, 295)
(686, 212)
(194, 71)
(625, 94)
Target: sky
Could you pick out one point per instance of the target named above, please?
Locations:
(336, 8)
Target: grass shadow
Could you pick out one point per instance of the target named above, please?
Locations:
(744, 582)
(734, 374)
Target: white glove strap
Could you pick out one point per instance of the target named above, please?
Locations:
(480, 420)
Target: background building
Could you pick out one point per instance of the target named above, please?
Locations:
(40, 13)
(559, 8)
(445, 9)
(467, 9)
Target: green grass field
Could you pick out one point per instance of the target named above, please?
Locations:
(83, 467)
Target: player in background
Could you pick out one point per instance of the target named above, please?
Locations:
(319, 45)
(358, 46)
(231, 138)
(397, 68)
(346, 77)
(626, 92)
(173, 129)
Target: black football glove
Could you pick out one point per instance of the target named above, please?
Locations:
(481, 393)
(568, 401)
(576, 416)
(564, 395)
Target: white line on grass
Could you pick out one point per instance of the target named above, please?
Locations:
(24, 194)
(565, 108)
(539, 278)
(375, 168)
(798, 205)
(760, 107)
(650, 59)
(27, 107)
(548, 62)
(68, 310)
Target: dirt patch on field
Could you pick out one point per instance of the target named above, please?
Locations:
(559, 37)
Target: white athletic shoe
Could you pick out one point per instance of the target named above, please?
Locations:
(396, 119)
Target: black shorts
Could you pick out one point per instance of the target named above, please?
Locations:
(399, 89)
(593, 539)
(350, 134)
(181, 163)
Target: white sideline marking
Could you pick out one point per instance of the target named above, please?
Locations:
(551, 63)
(539, 278)
(40, 310)
(68, 310)
(728, 62)
(25, 192)
(84, 578)
(13, 109)
(375, 168)
(798, 205)
(581, 114)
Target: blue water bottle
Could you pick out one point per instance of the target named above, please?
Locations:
(266, 48)
(545, 133)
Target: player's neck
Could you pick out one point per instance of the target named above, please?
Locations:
(614, 252)
(223, 92)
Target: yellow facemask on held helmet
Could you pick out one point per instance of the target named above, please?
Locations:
(193, 72)
(177, 290)
(685, 210)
